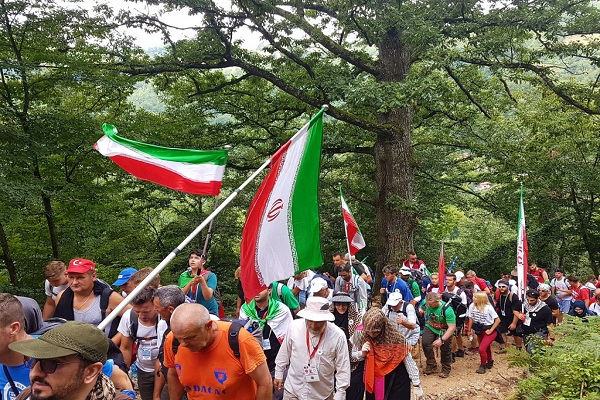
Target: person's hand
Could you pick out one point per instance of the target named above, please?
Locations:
(399, 319)
(382, 290)
(418, 392)
(410, 348)
(421, 311)
(522, 316)
(512, 326)
(366, 347)
(488, 332)
(278, 383)
(437, 343)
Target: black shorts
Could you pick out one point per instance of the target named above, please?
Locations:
(503, 327)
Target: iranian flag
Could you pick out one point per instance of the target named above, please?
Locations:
(354, 238)
(189, 171)
(281, 235)
(522, 250)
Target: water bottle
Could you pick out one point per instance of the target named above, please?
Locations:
(133, 374)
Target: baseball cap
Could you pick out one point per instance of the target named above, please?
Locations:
(72, 337)
(317, 284)
(405, 271)
(394, 299)
(532, 293)
(81, 266)
(503, 282)
(124, 276)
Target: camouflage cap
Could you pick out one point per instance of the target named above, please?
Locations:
(72, 337)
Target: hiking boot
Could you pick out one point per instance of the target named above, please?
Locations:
(453, 357)
(489, 364)
(444, 374)
(460, 353)
(430, 370)
(481, 369)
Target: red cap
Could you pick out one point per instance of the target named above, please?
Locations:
(81, 266)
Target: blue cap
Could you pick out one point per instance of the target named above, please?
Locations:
(124, 276)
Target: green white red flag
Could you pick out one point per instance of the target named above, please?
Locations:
(522, 251)
(185, 170)
(281, 235)
(354, 238)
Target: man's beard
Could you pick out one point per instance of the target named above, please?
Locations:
(61, 392)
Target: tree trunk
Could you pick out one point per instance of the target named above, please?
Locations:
(8, 261)
(396, 218)
(46, 201)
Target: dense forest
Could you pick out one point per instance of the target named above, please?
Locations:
(438, 111)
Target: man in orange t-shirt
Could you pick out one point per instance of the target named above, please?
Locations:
(204, 365)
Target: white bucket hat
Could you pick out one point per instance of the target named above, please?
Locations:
(317, 309)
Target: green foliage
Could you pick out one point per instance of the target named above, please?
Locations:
(570, 369)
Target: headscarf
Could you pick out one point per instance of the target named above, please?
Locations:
(348, 322)
(388, 349)
(580, 304)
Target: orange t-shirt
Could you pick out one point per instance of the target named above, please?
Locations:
(215, 372)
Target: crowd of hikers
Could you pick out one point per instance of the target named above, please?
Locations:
(315, 336)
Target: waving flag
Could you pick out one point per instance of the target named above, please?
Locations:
(189, 171)
(522, 250)
(441, 271)
(282, 233)
(354, 238)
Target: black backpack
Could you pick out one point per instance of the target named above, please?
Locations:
(415, 276)
(454, 301)
(232, 338)
(403, 311)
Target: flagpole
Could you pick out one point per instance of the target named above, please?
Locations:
(345, 230)
(110, 317)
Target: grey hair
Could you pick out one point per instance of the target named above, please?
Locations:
(170, 296)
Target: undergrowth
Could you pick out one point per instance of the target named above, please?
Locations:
(569, 369)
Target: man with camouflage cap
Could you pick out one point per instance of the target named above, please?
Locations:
(66, 364)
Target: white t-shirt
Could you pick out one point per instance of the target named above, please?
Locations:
(160, 330)
(53, 290)
(486, 317)
(562, 284)
(147, 350)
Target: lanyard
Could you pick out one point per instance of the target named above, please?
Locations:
(311, 355)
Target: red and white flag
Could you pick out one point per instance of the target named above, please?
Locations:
(354, 238)
(186, 170)
(441, 271)
(281, 235)
(522, 250)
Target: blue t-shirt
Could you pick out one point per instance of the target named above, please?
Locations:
(19, 375)
(398, 286)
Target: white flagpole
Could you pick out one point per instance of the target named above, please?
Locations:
(110, 317)
(345, 229)
(177, 249)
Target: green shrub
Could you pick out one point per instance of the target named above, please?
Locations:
(570, 369)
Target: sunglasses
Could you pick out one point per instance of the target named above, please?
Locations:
(48, 366)
(502, 287)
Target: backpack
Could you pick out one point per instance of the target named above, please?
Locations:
(232, 338)
(403, 311)
(104, 299)
(454, 301)
(250, 325)
(415, 276)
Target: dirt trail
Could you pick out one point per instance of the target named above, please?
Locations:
(463, 383)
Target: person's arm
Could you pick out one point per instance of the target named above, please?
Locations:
(49, 307)
(159, 380)
(342, 369)
(262, 377)
(283, 359)
(127, 349)
(113, 301)
(494, 326)
(175, 387)
(120, 379)
(238, 306)
(545, 276)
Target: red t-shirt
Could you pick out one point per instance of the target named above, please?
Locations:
(538, 273)
(580, 292)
